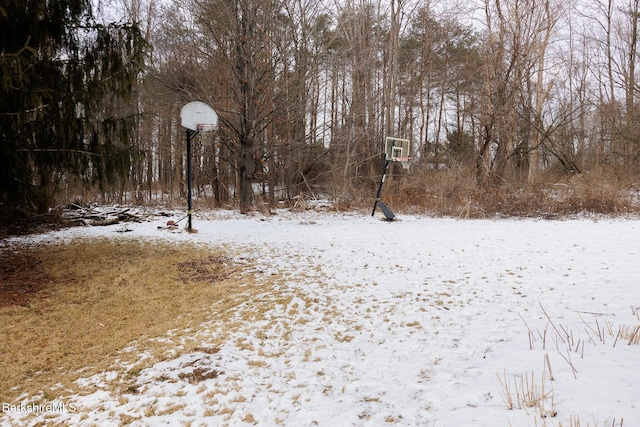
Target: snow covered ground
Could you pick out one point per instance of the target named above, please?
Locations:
(417, 322)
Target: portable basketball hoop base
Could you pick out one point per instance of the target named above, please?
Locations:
(196, 116)
(396, 150)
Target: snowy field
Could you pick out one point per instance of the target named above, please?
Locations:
(417, 322)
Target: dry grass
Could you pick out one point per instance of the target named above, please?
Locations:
(529, 392)
(455, 192)
(574, 421)
(67, 310)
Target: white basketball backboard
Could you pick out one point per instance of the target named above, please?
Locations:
(197, 115)
(395, 148)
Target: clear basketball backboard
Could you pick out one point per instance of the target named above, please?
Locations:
(395, 148)
(197, 115)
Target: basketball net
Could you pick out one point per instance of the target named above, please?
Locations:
(405, 162)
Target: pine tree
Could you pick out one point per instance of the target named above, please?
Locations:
(63, 80)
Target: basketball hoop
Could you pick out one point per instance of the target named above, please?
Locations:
(195, 116)
(395, 150)
(405, 161)
(206, 127)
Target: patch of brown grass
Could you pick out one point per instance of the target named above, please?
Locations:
(201, 374)
(67, 310)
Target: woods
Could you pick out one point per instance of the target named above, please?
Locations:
(515, 97)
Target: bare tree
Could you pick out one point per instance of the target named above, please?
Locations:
(629, 36)
(357, 28)
(519, 33)
(544, 21)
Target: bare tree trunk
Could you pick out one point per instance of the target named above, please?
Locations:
(541, 95)
(631, 135)
(247, 51)
(391, 77)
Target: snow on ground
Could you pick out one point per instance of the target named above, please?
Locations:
(417, 322)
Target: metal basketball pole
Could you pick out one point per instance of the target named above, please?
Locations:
(384, 175)
(190, 134)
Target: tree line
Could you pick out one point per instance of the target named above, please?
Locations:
(519, 92)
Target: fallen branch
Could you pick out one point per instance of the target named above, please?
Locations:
(106, 221)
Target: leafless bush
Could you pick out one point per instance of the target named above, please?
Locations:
(455, 192)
